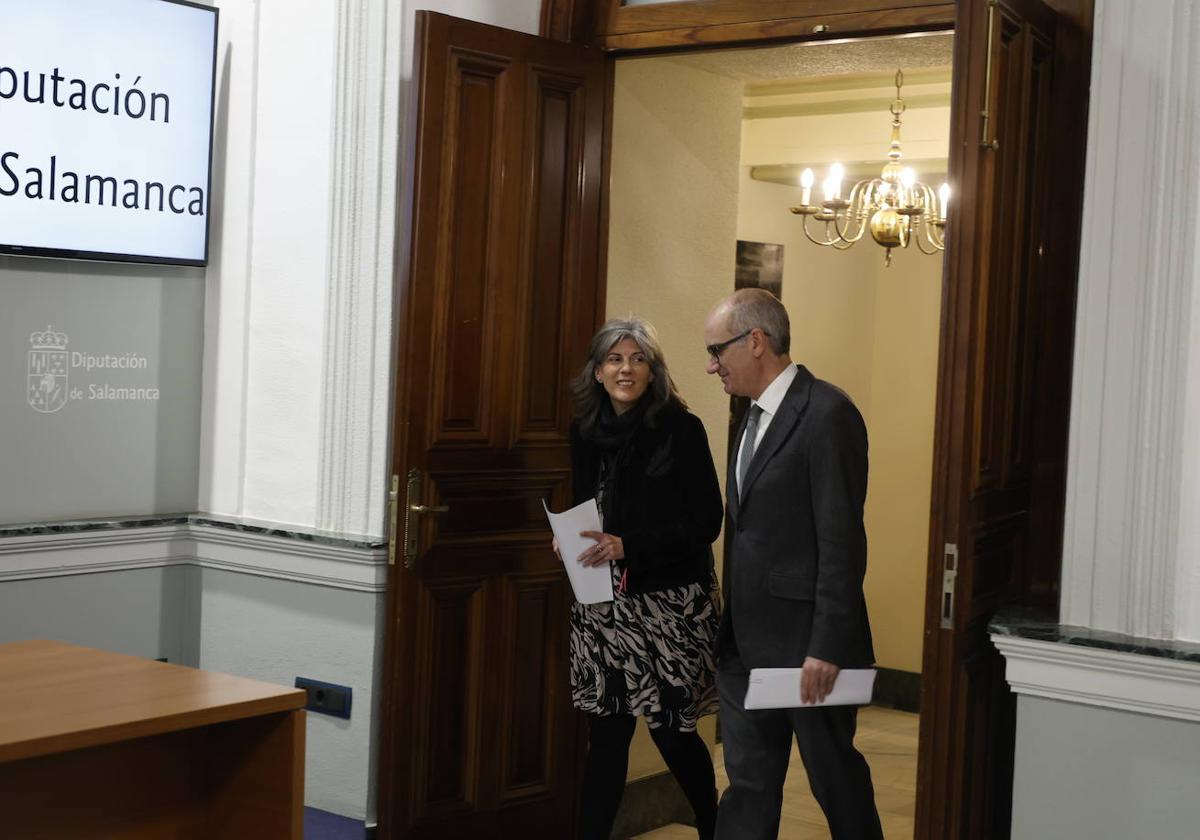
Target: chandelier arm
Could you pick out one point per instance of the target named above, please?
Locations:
(863, 199)
(810, 237)
(930, 235)
(933, 235)
(862, 228)
(858, 188)
(929, 200)
(937, 238)
(921, 243)
(843, 234)
(837, 229)
(858, 214)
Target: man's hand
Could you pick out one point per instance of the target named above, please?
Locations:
(816, 679)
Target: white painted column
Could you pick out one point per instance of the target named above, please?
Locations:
(1133, 452)
(358, 314)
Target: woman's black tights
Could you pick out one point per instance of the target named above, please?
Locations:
(608, 761)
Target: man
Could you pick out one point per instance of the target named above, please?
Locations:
(794, 498)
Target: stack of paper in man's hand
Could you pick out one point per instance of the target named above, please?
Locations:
(779, 688)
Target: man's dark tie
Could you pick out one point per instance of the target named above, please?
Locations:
(747, 453)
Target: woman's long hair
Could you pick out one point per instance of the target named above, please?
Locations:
(589, 395)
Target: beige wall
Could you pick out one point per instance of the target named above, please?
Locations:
(829, 295)
(674, 194)
(900, 426)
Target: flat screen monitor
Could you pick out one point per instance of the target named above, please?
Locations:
(106, 126)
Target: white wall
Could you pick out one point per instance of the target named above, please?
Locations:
(287, 262)
(143, 612)
(1083, 772)
(278, 630)
(267, 284)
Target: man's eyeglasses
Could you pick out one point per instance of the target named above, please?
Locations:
(715, 350)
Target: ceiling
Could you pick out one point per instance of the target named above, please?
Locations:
(807, 104)
(825, 58)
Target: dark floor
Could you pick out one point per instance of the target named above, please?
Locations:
(322, 825)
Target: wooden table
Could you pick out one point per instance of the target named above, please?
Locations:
(101, 745)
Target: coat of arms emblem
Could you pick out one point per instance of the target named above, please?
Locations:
(48, 365)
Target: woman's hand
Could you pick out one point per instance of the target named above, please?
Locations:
(606, 549)
(554, 545)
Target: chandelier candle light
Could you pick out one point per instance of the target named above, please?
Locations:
(896, 207)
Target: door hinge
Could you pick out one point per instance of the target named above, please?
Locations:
(987, 140)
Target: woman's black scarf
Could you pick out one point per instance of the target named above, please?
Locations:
(612, 432)
(611, 435)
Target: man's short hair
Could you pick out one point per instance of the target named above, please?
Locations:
(750, 308)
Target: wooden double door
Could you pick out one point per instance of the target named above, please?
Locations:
(502, 293)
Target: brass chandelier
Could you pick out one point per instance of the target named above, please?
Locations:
(895, 207)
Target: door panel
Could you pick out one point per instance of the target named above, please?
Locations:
(534, 609)
(558, 128)
(480, 739)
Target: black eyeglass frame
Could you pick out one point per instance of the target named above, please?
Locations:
(715, 350)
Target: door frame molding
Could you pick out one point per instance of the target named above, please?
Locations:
(715, 24)
(721, 23)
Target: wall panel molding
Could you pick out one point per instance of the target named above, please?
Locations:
(1103, 678)
(192, 544)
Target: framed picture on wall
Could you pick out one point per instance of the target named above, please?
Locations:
(759, 266)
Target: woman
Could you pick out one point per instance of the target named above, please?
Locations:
(650, 652)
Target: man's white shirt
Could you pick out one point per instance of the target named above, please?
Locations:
(769, 401)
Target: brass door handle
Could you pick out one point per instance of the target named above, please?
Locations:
(412, 511)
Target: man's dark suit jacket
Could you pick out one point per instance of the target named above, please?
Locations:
(799, 550)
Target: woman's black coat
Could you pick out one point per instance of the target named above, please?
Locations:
(664, 503)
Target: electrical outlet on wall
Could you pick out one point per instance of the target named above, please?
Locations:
(326, 698)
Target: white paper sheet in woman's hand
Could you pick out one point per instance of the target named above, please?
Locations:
(592, 584)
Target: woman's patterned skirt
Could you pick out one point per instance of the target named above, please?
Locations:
(652, 655)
